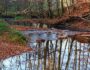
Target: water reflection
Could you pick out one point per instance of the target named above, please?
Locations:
(51, 54)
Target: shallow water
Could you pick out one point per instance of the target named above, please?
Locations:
(59, 54)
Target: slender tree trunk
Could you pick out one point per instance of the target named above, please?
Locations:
(49, 9)
(59, 58)
(58, 7)
(69, 54)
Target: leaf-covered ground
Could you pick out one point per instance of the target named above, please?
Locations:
(9, 50)
(12, 42)
(10, 34)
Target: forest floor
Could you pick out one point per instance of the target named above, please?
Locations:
(11, 42)
(9, 49)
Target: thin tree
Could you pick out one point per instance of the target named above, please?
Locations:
(58, 7)
(49, 8)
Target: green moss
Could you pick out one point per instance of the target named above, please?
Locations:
(19, 17)
(4, 27)
(13, 35)
(16, 36)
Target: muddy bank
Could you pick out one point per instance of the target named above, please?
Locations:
(74, 24)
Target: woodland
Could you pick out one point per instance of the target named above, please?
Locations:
(44, 34)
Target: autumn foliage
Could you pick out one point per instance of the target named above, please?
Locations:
(82, 37)
(77, 10)
(9, 50)
(12, 42)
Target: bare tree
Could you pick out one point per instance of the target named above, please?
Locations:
(49, 8)
(58, 6)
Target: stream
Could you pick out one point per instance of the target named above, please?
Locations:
(50, 53)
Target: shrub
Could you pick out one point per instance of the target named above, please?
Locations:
(12, 34)
(18, 37)
(4, 27)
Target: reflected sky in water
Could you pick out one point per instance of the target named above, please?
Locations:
(78, 59)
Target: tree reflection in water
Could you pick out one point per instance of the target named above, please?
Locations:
(51, 53)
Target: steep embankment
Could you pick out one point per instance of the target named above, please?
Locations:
(74, 23)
